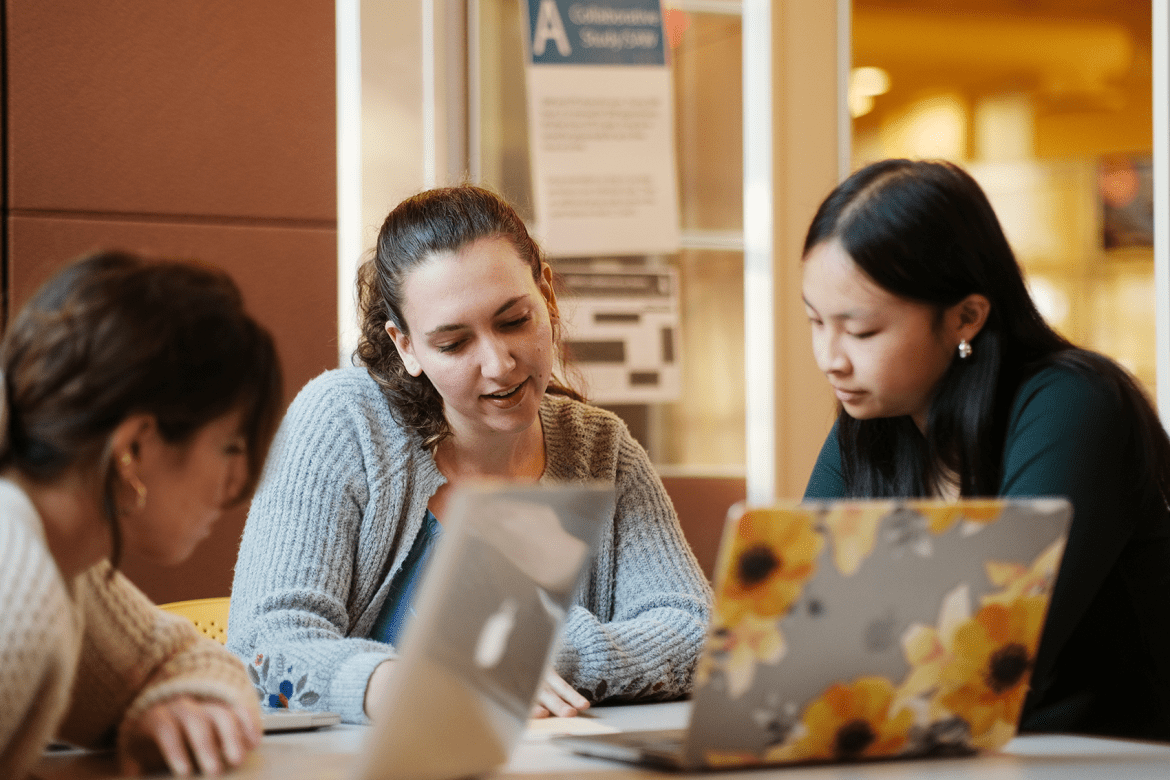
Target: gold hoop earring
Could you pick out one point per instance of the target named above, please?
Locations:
(964, 349)
(134, 482)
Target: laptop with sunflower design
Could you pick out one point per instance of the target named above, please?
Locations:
(852, 629)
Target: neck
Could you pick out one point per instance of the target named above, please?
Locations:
(919, 419)
(510, 457)
(75, 530)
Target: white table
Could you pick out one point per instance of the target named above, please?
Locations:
(329, 754)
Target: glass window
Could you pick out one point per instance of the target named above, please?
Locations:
(702, 430)
(1048, 104)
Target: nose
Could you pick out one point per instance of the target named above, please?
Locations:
(496, 360)
(831, 358)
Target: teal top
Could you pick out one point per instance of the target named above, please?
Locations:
(1104, 662)
(399, 605)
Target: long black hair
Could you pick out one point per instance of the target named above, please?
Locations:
(925, 231)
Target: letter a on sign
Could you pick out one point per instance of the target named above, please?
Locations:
(550, 27)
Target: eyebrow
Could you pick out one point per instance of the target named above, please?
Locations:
(851, 314)
(458, 326)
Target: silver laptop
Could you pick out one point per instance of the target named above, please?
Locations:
(854, 630)
(488, 618)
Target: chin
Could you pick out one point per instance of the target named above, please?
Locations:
(513, 426)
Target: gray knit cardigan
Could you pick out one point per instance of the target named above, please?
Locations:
(343, 496)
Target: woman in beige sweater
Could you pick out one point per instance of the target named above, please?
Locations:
(139, 400)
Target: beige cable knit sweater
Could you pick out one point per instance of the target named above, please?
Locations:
(78, 659)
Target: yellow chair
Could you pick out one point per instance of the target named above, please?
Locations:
(209, 615)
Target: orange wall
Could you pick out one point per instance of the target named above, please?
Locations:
(202, 130)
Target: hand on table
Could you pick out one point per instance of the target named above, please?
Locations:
(189, 735)
(557, 698)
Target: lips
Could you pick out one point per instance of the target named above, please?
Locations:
(847, 396)
(508, 397)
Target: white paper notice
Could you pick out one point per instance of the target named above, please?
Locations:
(601, 128)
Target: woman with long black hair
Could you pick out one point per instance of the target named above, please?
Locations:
(951, 384)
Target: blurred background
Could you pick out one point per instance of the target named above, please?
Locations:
(1046, 102)
(271, 138)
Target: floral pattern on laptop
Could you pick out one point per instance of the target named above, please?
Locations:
(966, 673)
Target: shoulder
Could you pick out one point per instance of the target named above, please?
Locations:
(584, 441)
(345, 398)
(1080, 402)
(579, 418)
(1079, 388)
(35, 608)
(580, 424)
(39, 636)
(28, 564)
(349, 386)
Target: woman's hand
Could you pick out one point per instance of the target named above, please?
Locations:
(176, 732)
(557, 698)
(377, 689)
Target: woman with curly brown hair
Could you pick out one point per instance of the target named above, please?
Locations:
(460, 335)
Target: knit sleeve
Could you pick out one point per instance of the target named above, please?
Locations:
(308, 561)
(134, 655)
(644, 639)
(38, 647)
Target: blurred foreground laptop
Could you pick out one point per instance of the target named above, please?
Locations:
(488, 619)
(850, 630)
(277, 719)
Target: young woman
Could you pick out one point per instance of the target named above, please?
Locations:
(951, 384)
(458, 344)
(139, 400)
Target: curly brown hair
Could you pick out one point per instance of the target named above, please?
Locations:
(429, 223)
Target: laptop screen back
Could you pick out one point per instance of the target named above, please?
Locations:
(489, 613)
(861, 629)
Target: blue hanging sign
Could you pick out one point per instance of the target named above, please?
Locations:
(595, 32)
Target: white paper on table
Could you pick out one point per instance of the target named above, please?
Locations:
(543, 728)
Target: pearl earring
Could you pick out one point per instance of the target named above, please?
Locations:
(964, 349)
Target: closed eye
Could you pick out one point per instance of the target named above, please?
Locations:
(865, 335)
(452, 347)
(516, 323)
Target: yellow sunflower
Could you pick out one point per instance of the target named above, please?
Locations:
(1017, 580)
(941, 516)
(737, 649)
(853, 721)
(928, 649)
(731, 759)
(853, 529)
(985, 680)
(773, 553)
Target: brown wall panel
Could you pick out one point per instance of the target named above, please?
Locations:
(216, 107)
(288, 276)
(702, 504)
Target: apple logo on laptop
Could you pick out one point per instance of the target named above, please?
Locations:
(493, 637)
